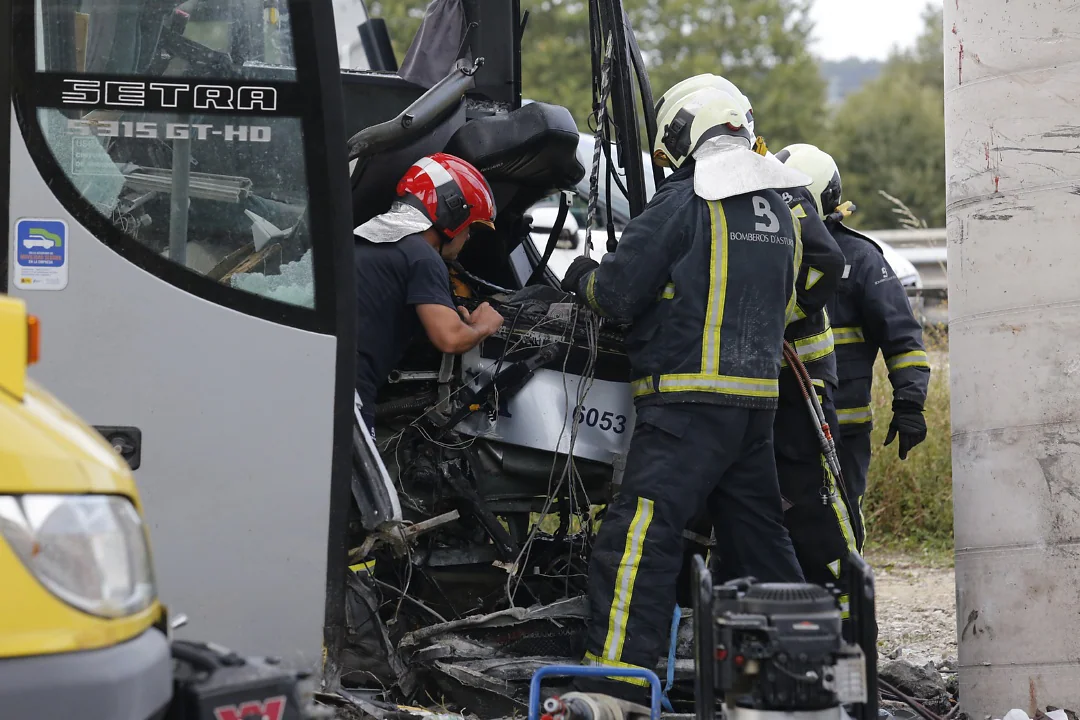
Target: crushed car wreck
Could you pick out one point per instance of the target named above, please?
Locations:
(478, 501)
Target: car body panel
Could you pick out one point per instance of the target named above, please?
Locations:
(45, 448)
(35, 622)
(131, 680)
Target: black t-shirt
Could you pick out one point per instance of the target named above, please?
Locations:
(391, 278)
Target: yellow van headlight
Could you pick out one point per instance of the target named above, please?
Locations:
(88, 550)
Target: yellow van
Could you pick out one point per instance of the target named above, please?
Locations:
(82, 634)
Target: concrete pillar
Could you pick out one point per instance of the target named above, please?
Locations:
(1012, 107)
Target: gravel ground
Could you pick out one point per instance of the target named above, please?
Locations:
(916, 609)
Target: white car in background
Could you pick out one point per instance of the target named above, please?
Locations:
(543, 219)
(901, 266)
(545, 211)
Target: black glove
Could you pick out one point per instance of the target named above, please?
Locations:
(908, 422)
(577, 270)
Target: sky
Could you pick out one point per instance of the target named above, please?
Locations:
(865, 29)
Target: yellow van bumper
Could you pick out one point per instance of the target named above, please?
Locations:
(129, 681)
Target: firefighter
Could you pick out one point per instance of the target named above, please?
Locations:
(705, 278)
(823, 530)
(870, 313)
(403, 283)
(818, 515)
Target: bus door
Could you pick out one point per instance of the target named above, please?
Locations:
(178, 216)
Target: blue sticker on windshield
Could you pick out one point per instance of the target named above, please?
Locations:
(41, 254)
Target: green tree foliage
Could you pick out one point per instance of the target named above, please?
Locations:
(760, 45)
(890, 136)
(402, 20)
(555, 56)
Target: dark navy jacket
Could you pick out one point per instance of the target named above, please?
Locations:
(871, 313)
(707, 288)
(819, 277)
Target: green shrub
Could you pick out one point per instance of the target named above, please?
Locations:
(908, 503)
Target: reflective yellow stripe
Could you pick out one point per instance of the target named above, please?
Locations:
(590, 293)
(855, 416)
(363, 567)
(669, 292)
(794, 312)
(714, 313)
(812, 277)
(862, 520)
(915, 358)
(624, 580)
(594, 660)
(845, 606)
(815, 347)
(839, 509)
(818, 383)
(723, 384)
(848, 335)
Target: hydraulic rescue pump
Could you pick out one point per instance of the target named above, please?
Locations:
(764, 648)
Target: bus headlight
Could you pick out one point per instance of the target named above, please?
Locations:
(88, 550)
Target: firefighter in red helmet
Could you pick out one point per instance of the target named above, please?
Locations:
(403, 284)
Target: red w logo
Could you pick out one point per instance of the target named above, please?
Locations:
(271, 709)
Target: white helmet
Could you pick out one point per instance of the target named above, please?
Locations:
(709, 125)
(708, 80)
(689, 119)
(820, 166)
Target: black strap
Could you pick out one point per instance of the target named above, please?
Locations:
(553, 238)
(202, 657)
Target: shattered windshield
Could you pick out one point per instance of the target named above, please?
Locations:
(217, 185)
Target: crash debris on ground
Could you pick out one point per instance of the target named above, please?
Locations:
(916, 609)
(933, 686)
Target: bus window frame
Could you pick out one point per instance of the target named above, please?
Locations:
(321, 318)
(323, 125)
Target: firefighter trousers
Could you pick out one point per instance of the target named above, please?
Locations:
(855, 461)
(822, 528)
(681, 457)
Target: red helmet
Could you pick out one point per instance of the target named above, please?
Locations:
(450, 191)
